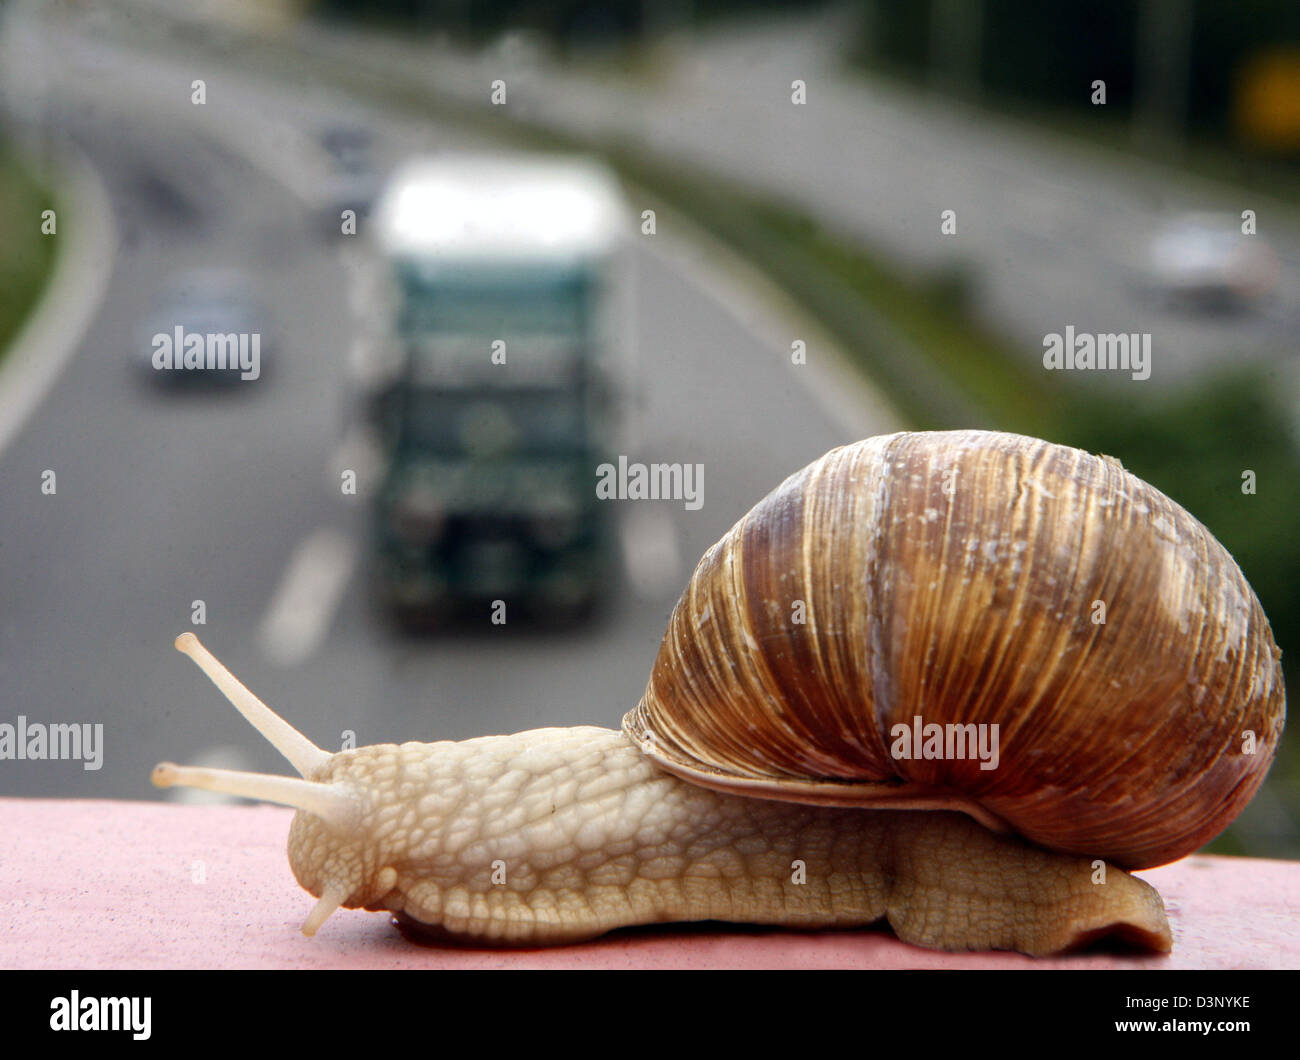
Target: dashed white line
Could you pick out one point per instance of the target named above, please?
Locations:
(304, 603)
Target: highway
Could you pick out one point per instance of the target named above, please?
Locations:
(231, 497)
(1053, 232)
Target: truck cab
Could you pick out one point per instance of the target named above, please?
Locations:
(504, 387)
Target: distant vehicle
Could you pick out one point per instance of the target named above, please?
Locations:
(206, 326)
(504, 384)
(352, 181)
(1205, 260)
(348, 143)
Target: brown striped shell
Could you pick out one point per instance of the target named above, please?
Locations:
(954, 576)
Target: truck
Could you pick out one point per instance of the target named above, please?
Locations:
(498, 382)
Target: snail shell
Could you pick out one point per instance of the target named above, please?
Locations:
(956, 576)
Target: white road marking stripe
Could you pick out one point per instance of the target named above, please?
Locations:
(308, 595)
(764, 309)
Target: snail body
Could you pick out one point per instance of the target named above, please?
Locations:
(935, 583)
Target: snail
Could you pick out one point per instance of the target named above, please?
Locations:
(802, 753)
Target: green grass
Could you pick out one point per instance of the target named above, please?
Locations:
(26, 256)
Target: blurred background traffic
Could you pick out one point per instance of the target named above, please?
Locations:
(705, 233)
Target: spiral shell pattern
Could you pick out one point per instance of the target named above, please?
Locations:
(975, 578)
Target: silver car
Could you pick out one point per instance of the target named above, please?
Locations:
(206, 326)
(1204, 260)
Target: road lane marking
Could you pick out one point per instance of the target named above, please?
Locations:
(759, 306)
(307, 597)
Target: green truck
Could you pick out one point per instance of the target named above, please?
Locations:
(505, 386)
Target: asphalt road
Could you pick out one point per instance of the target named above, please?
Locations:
(165, 498)
(1051, 232)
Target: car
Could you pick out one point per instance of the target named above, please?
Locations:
(1204, 260)
(206, 326)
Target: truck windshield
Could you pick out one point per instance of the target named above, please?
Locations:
(490, 423)
(515, 307)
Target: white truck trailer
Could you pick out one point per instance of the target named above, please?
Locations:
(500, 380)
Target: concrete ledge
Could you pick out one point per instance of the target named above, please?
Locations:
(105, 884)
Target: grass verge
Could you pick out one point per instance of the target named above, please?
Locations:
(26, 256)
